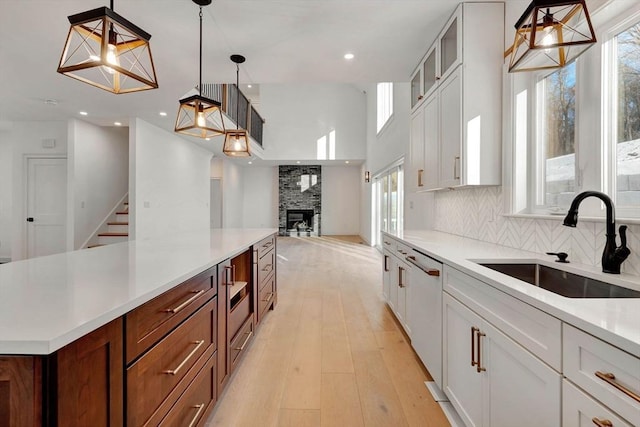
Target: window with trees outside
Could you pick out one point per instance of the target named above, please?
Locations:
(577, 128)
(387, 202)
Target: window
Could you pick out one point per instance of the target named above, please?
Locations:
(387, 202)
(578, 128)
(556, 135)
(385, 104)
(625, 135)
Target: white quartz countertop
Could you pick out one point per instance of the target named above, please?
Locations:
(615, 320)
(48, 302)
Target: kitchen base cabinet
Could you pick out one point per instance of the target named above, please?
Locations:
(20, 391)
(490, 379)
(87, 376)
(581, 410)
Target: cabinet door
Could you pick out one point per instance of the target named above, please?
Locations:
(581, 410)
(416, 89)
(462, 383)
(430, 72)
(402, 311)
(20, 391)
(386, 274)
(416, 173)
(431, 143)
(450, 97)
(224, 366)
(520, 389)
(450, 41)
(89, 379)
(393, 288)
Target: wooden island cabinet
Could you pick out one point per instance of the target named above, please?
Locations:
(165, 362)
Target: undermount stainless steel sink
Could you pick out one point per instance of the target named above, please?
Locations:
(562, 282)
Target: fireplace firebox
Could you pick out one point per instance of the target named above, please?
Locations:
(299, 219)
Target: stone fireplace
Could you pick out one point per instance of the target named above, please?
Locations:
(300, 191)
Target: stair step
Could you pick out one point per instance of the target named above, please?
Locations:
(122, 213)
(113, 234)
(118, 223)
(94, 246)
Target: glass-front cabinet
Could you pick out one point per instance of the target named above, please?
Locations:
(430, 71)
(450, 44)
(416, 88)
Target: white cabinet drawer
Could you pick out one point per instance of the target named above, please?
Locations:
(533, 329)
(585, 356)
(581, 410)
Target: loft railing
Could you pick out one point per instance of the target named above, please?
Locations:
(245, 115)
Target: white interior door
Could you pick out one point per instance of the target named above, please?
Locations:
(46, 206)
(215, 203)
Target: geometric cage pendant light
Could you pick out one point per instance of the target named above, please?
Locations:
(551, 34)
(236, 141)
(198, 115)
(105, 50)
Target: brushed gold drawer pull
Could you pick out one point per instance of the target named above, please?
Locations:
(269, 298)
(186, 303)
(199, 407)
(268, 267)
(473, 345)
(186, 359)
(611, 380)
(602, 423)
(479, 367)
(386, 243)
(266, 245)
(245, 341)
(420, 172)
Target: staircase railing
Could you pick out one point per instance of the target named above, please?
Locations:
(245, 115)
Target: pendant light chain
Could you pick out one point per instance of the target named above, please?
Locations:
(200, 80)
(237, 96)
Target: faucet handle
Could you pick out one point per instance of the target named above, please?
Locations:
(623, 236)
(562, 256)
(622, 252)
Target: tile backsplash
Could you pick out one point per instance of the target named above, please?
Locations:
(477, 213)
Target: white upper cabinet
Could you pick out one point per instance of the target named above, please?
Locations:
(462, 73)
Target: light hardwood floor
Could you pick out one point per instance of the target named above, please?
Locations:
(330, 354)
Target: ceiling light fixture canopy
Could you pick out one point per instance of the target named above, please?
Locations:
(551, 34)
(198, 115)
(105, 50)
(236, 141)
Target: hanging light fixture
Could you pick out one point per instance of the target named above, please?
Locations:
(200, 116)
(105, 50)
(236, 141)
(550, 34)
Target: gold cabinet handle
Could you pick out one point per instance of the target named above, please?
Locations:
(266, 245)
(186, 303)
(433, 272)
(602, 423)
(386, 263)
(473, 345)
(267, 267)
(186, 359)
(386, 243)
(420, 172)
(400, 271)
(609, 378)
(269, 298)
(479, 367)
(429, 271)
(199, 407)
(227, 278)
(245, 341)
(456, 174)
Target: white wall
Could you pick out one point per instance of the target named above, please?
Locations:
(99, 175)
(260, 197)
(6, 192)
(340, 200)
(169, 189)
(232, 195)
(297, 115)
(26, 138)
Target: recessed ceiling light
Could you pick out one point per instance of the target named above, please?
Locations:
(117, 123)
(163, 114)
(298, 162)
(250, 163)
(207, 139)
(346, 161)
(349, 56)
(249, 86)
(83, 113)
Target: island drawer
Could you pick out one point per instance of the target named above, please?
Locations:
(195, 403)
(266, 265)
(148, 323)
(153, 377)
(265, 245)
(240, 310)
(607, 373)
(532, 328)
(579, 409)
(265, 297)
(239, 343)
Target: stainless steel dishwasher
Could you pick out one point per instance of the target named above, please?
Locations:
(425, 313)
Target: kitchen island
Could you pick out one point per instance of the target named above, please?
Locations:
(99, 324)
